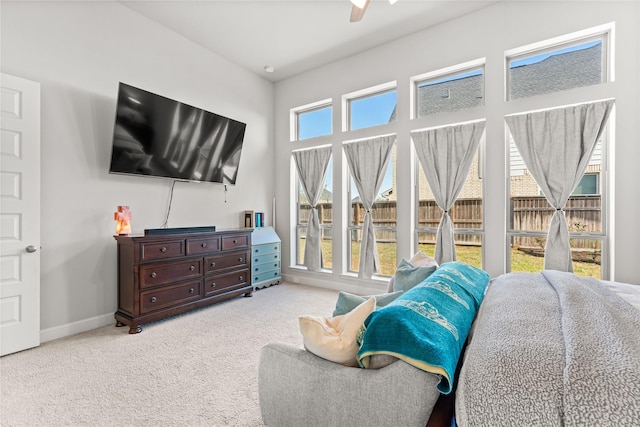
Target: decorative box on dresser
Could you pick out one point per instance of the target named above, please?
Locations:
(265, 257)
(163, 275)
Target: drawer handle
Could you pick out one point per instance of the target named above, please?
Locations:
(192, 268)
(275, 256)
(191, 290)
(256, 250)
(203, 245)
(213, 285)
(241, 278)
(235, 241)
(154, 299)
(275, 273)
(275, 265)
(153, 274)
(163, 249)
(240, 259)
(255, 260)
(213, 264)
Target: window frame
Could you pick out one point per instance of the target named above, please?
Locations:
(352, 227)
(602, 32)
(442, 73)
(302, 226)
(294, 118)
(433, 230)
(603, 236)
(369, 92)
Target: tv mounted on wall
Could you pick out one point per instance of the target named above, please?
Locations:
(159, 137)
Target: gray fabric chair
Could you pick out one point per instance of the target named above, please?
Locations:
(297, 388)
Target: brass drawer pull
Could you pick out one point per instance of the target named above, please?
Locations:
(203, 245)
(235, 241)
(163, 249)
(154, 299)
(153, 274)
(213, 285)
(192, 268)
(240, 259)
(191, 290)
(213, 264)
(241, 278)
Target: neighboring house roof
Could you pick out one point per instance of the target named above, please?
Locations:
(325, 197)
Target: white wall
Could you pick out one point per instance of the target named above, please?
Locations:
(483, 34)
(79, 51)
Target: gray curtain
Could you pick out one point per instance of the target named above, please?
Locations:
(446, 155)
(312, 169)
(556, 146)
(368, 160)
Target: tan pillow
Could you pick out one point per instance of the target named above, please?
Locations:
(334, 338)
(419, 259)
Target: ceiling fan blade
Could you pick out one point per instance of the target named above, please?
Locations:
(357, 13)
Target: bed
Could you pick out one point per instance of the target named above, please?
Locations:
(552, 349)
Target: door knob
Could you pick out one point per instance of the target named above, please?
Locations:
(31, 249)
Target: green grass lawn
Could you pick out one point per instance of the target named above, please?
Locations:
(520, 261)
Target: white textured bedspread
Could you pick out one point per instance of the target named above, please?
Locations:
(551, 349)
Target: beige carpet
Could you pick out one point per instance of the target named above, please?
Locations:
(196, 369)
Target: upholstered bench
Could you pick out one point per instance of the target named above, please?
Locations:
(298, 388)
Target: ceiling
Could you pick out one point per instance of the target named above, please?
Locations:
(294, 36)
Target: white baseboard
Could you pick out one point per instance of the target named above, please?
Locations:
(351, 286)
(73, 328)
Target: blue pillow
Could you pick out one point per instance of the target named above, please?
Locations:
(347, 302)
(407, 275)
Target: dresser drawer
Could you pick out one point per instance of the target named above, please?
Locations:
(269, 266)
(260, 259)
(232, 242)
(266, 249)
(265, 276)
(237, 260)
(204, 245)
(158, 274)
(225, 282)
(164, 250)
(169, 296)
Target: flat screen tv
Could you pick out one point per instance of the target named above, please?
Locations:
(160, 137)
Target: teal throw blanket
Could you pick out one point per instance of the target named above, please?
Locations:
(428, 325)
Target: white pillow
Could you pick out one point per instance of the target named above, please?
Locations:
(334, 338)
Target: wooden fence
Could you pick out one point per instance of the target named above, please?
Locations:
(583, 214)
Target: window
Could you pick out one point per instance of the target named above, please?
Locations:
(383, 214)
(588, 184)
(325, 212)
(466, 214)
(372, 107)
(557, 66)
(311, 121)
(530, 215)
(449, 92)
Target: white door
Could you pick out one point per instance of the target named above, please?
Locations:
(19, 214)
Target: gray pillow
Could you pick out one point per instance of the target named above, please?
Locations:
(407, 275)
(347, 302)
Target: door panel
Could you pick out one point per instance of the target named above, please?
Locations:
(19, 214)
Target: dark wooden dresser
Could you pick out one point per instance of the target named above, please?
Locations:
(163, 275)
